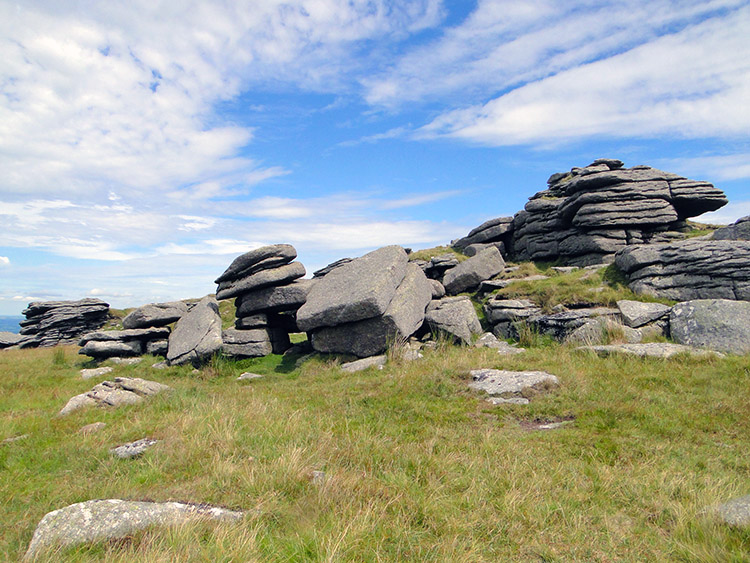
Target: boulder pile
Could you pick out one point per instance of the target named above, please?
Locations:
(268, 292)
(362, 306)
(588, 214)
(104, 344)
(49, 323)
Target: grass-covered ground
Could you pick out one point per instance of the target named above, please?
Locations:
(417, 468)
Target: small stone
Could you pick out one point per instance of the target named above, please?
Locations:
(125, 361)
(133, 449)
(160, 365)
(736, 512)
(511, 401)
(248, 376)
(92, 428)
(359, 365)
(95, 372)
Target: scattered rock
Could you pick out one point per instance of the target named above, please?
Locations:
(97, 520)
(121, 391)
(160, 365)
(740, 230)
(648, 349)
(489, 340)
(364, 363)
(92, 428)
(454, 316)
(95, 372)
(133, 449)
(125, 361)
(736, 512)
(248, 376)
(197, 335)
(515, 387)
(717, 324)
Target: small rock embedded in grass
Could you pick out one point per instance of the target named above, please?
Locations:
(160, 365)
(489, 340)
(14, 439)
(515, 387)
(248, 376)
(125, 361)
(92, 428)
(649, 349)
(358, 365)
(133, 449)
(736, 512)
(121, 391)
(96, 372)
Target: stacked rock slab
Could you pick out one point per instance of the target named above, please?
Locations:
(361, 307)
(49, 323)
(123, 343)
(588, 214)
(268, 292)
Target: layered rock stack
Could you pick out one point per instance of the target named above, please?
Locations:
(588, 214)
(268, 292)
(362, 306)
(49, 323)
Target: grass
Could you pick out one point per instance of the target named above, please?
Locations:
(417, 467)
(427, 253)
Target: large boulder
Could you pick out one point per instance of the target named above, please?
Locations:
(121, 391)
(638, 313)
(155, 315)
(361, 289)
(263, 278)
(254, 342)
(113, 519)
(197, 335)
(454, 316)
(470, 273)
(717, 324)
(274, 299)
(488, 232)
(690, 269)
(263, 258)
(740, 230)
(404, 315)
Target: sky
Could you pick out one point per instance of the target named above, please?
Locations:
(145, 144)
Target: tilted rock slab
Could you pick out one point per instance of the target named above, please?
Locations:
(121, 391)
(717, 324)
(197, 335)
(155, 315)
(454, 316)
(637, 313)
(97, 520)
(263, 258)
(361, 289)
(470, 273)
(403, 316)
(690, 269)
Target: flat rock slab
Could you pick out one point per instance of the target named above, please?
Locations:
(121, 391)
(512, 386)
(717, 324)
(648, 349)
(8, 339)
(155, 314)
(359, 365)
(133, 449)
(97, 520)
(280, 275)
(637, 313)
(95, 372)
(736, 512)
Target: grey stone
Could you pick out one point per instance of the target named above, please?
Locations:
(108, 348)
(121, 391)
(489, 340)
(736, 512)
(403, 316)
(133, 449)
(474, 249)
(648, 349)
(276, 276)
(135, 334)
(124, 361)
(489, 231)
(257, 320)
(438, 290)
(560, 325)
(454, 316)
(600, 329)
(248, 376)
(288, 297)
(332, 266)
(97, 520)
(512, 384)
(8, 339)
(197, 335)
(263, 258)
(255, 342)
(637, 313)
(95, 372)
(155, 315)
(740, 230)
(77, 402)
(160, 365)
(49, 323)
(470, 273)
(92, 428)
(157, 347)
(717, 324)
(359, 290)
(359, 365)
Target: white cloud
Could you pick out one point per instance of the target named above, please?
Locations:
(4, 261)
(691, 84)
(415, 200)
(716, 167)
(727, 214)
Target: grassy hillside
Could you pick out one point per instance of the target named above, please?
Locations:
(417, 468)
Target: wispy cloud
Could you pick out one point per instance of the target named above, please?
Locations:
(423, 199)
(719, 167)
(4, 261)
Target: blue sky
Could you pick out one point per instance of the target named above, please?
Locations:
(146, 144)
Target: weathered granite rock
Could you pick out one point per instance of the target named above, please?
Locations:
(489, 231)
(560, 325)
(120, 343)
(740, 230)
(92, 428)
(361, 289)
(403, 316)
(155, 315)
(121, 391)
(61, 322)
(101, 349)
(512, 386)
(249, 376)
(470, 273)
(364, 363)
(95, 372)
(438, 290)
(8, 339)
(97, 520)
(157, 347)
(499, 310)
(197, 335)
(600, 330)
(489, 340)
(454, 316)
(255, 342)
(133, 449)
(274, 299)
(645, 350)
(436, 268)
(736, 512)
(263, 258)
(717, 324)
(263, 278)
(638, 313)
(332, 266)
(474, 249)
(690, 269)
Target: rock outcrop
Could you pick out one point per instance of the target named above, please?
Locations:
(586, 215)
(101, 345)
(689, 269)
(740, 230)
(197, 335)
(49, 323)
